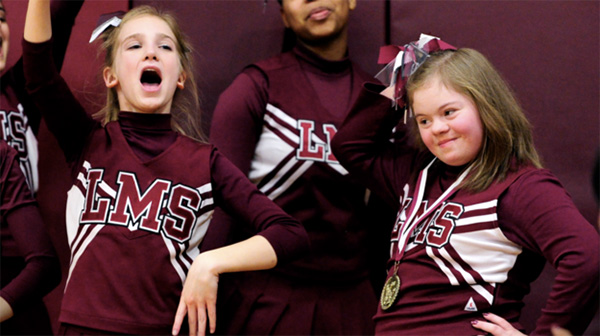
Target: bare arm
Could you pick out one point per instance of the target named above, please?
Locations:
(200, 289)
(38, 25)
(280, 238)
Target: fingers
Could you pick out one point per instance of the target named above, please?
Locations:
(212, 316)
(192, 320)
(196, 318)
(199, 296)
(179, 315)
(490, 328)
(498, 321)
(496, 326)
(201, 323)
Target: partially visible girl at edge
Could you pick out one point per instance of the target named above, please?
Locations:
(29, 265)
(26, 243)
(145, 186)
(485, 217)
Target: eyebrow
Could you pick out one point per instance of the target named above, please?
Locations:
(442, 107)
(137, 35)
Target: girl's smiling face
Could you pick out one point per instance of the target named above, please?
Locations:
(146, 70)
(449, 123)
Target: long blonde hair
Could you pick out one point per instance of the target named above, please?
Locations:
(508, 141)
(186, 113)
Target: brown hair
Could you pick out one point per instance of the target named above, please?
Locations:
(508, 141)
(186, 113)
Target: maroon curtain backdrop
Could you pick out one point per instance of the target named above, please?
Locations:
(547, 50)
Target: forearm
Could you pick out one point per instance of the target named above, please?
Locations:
(199, 295)
(38, 26)
(239, 197)
(573, 300)
(252, 254)
(537, 213)
(41, 273)
(362, 145)
(64, 13)
(366, 130)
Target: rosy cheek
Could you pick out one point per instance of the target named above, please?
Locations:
(426, 138)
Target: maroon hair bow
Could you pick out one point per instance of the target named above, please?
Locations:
(403, 61)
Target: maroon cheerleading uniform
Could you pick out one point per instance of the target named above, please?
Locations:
(275, 122)
(141, 202)
(478, 252)
(30, 267)
(19, 117)
(19, 124)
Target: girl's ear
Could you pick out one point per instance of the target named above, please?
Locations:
(181, 80)
(110, 79)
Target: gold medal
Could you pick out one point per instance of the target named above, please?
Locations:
(390, 291)
(391, 288)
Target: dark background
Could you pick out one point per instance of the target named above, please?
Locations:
(548, 51)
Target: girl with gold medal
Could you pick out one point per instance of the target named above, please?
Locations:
(478, 216)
